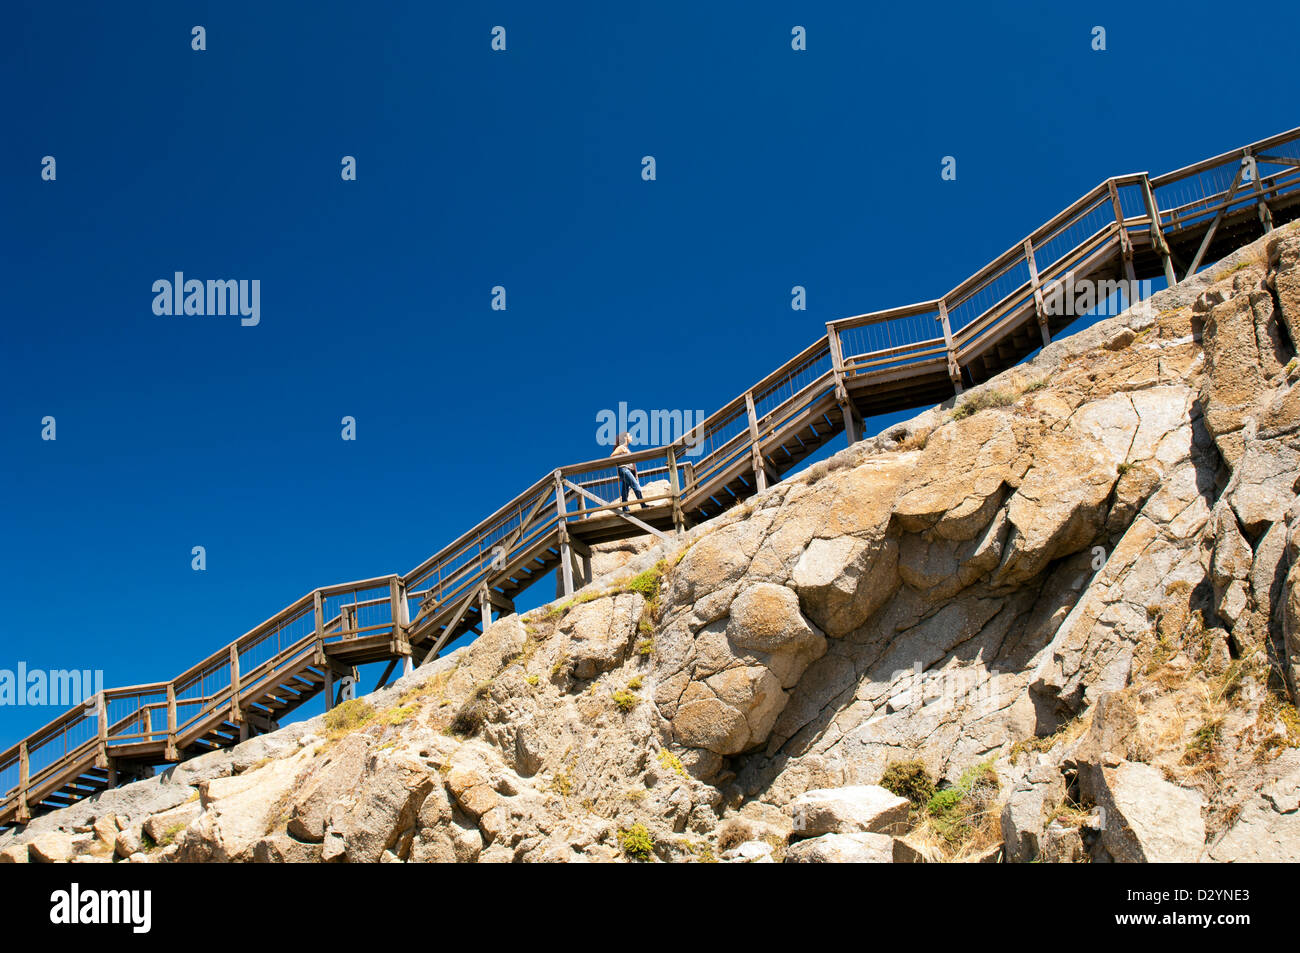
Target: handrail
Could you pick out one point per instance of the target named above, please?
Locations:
(1015, 280)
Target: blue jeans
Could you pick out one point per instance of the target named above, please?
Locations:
(627, 479)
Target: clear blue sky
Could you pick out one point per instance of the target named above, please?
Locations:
(476, 169)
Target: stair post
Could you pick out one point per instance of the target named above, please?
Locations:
(101, 716)
(679, 521)
(1125, 242)
(318, 604)
(1157, 232)
(236, 714)
(24, 780)
(171, 753)
(954, 368)
(401, 612)
(755, 451)
(1040, 308)
(564, 574)
(852, 422)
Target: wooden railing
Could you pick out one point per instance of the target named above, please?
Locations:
(1103, 227)
(941, 334)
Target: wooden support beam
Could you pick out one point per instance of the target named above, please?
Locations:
(319, 604)
(236, 715)
(581, 570)
(1040, 307)
(484, 609)
(1157, 230)
(852, 419)
(398, 605)
(383, 678)
(564, 574)
(262, 723)
(954, 368)
(755, 449)
(1279, 160)
(101, 716)
(581, 563)
(625, 516)
(335, 672)
(1125, 241)
(450, 627)
(1214, 225)
(1265, 214)
(679, 518)
(24, 781)
(170, 752)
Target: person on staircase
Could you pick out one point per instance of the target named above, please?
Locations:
(627, 473)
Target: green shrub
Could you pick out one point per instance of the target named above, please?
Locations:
(958, 813)
(625, 700)
(671, 762)
(982, 401)
(398, 714)
(637, 842)
(909, 779)
(349, 716)
(943, 802)
(647, 582)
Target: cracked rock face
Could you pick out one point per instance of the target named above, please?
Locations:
(1105, 543)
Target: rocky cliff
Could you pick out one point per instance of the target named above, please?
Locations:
(1056, 618)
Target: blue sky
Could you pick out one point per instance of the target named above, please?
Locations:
(475, 169)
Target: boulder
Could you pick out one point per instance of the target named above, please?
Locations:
(908, 850)
(600, 632)
(1026, 811)
(841, 582)
(1147, 819)
(239, 811)
(163, 828)
(329, 781)
(861, 848)
(52, 847)
(865, 808)
(383, 816)
(283, 849)
(702, 720)
(766, 618)
(128, 842)
(105, 830)
(1267, 830)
